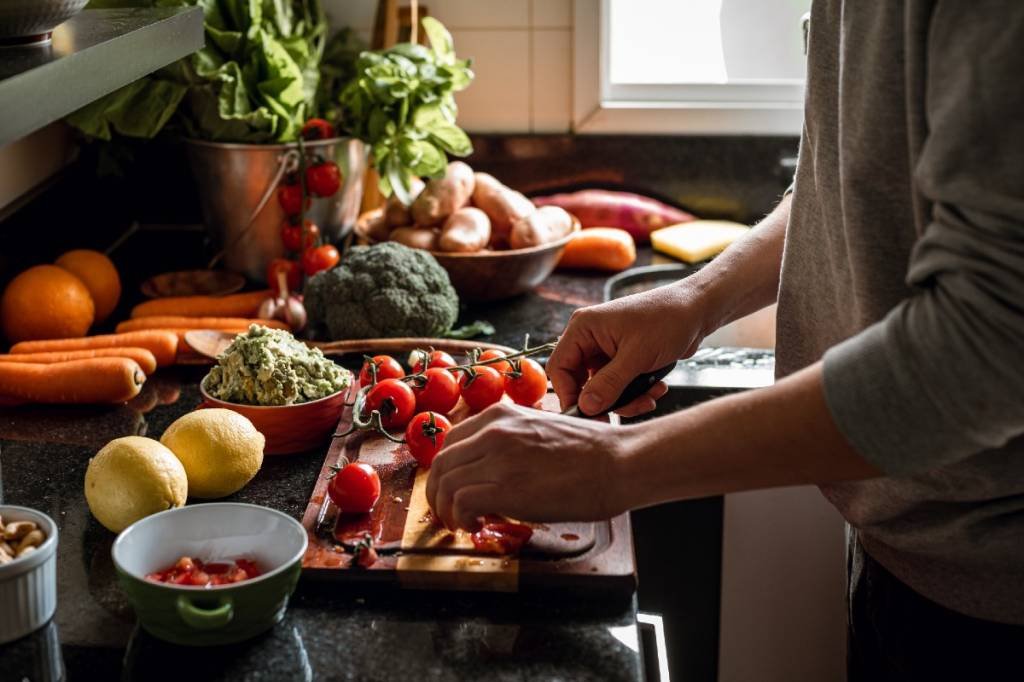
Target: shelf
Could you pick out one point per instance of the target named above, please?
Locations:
(92, 54)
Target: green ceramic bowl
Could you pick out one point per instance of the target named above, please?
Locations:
(205, 616)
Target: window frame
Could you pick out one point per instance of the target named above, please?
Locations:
(763, 107)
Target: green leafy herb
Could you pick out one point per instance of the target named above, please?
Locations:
(402, 104)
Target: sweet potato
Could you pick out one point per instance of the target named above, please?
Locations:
(466, 231)
(636, 214)
(599, 248)
(146, 359)
(443, 196)
(397, 214)
(416, 237)
(99, 380)
(233, 305)
(546, 224)
(174, 322)
(502, 205)
(162, 344)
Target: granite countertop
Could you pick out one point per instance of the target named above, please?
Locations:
(328, 632)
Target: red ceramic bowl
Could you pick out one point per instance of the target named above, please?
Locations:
(289, 428)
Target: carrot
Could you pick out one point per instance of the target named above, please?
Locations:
(162, 344)
(98, 380)
(599, 248)
(233, 305)
(173, 322)
(145, 358)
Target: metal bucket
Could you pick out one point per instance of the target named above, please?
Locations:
(237, 184)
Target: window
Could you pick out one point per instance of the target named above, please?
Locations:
(689, 66)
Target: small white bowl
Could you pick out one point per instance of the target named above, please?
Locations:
(28, 585)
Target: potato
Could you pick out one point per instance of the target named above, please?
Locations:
(502, 205)
(546, 224)
(397, 214)
(467, 230)
(416, 237)
(444, 196)
(378, 229)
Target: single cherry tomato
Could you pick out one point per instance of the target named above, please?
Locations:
(355, 488)
(321, 258)
(481, 388)
(289, 195)
(436, 391)
(387, 368)
(501, 367)
(527, 382)
(296, 238)
(425, 435)
(292, 274)
(394, 400)
(323, 179)
(435, 358)
(317, 129)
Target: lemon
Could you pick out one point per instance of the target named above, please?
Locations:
(131, 478)
(220, 449)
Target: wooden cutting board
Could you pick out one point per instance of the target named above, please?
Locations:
(415, 552)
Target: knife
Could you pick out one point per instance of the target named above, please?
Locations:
(634, 389)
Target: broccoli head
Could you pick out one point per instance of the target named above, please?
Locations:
(384, 290)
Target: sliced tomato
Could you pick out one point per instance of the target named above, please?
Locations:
(501, 537)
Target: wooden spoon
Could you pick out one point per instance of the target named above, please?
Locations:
(212, 343)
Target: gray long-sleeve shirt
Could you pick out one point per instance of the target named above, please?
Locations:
(904, 267)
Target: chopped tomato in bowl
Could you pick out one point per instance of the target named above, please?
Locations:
(197, 573)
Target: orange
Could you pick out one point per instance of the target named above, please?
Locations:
(99, 276)
(45, 302)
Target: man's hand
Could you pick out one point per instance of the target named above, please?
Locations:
(529, 465)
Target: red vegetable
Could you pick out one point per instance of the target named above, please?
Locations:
(292, 273)
(425, 435)
(292, 235)
(502, 367)
(289, 195)
(638, 215)
(436, 358)
(437, 391)
(321, 258)
(394, 400)
(196, 573)
(317, 129)
(481, 388)
(527, 383)
(355, 488)
(323, 179)
(498, 536)
(387, 368)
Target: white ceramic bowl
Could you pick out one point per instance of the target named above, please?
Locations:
(211, 532)
(28, 585)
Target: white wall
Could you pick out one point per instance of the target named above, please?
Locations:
(522, 56)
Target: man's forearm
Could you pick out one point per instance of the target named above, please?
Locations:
(745, 277)
(776, 436)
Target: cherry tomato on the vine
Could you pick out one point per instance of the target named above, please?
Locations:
(295, 238)
(317, 129)
(437, 391)
(321, 258)
(435, 358)
(502, 366)
(387, 368)
(527, 382)
(394, 400)
(289, 195)
(355, 488)
(482, 388)
(292, 274)
(425, 435)
(323, 179)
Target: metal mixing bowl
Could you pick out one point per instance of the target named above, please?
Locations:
(31, 21)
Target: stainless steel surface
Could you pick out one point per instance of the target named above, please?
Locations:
(23, 18)
(234, 178)
(92, 54)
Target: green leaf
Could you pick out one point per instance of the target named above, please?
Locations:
(469, 331)
(452, 139)
(440, 39)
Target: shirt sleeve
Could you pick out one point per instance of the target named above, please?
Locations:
(941, 377)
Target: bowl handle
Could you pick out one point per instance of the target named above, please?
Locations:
(205, 619)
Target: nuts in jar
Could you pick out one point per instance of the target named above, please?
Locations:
(19, 538)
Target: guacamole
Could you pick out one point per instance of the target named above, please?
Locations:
(269, 367)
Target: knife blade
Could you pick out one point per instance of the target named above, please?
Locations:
(634, 389)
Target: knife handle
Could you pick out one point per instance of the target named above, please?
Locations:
(634, 389)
